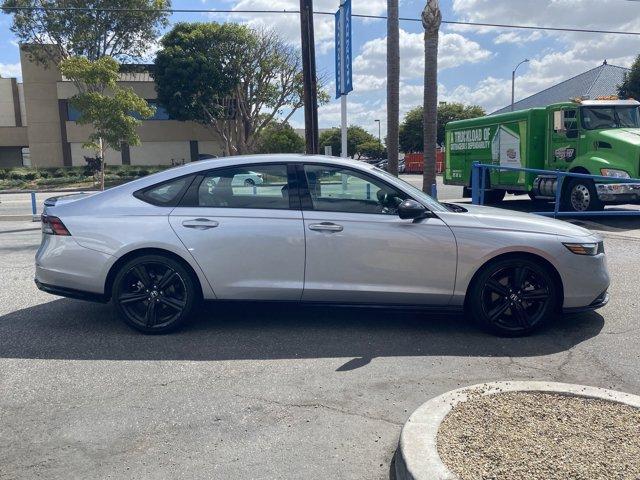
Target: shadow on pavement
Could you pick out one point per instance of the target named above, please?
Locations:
(76, 330)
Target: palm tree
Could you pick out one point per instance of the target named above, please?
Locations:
(393, 84)
(431, 19)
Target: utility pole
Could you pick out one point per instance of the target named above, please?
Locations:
(393, 85)
(343, 98)
(309, 77)
(379, 137)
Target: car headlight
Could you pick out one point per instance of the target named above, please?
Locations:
(610, 172)
(589, 249)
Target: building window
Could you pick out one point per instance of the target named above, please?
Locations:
(160, 113)
(73, 114)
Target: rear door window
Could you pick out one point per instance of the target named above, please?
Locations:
(251, 186)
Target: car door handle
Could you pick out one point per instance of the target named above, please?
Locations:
(200, 223)
(326, 227)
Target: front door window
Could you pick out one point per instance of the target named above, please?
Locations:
(338, 189)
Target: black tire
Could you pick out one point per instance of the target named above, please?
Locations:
(579, 195)
(249, 183)
(146, 278)
(496, 305)
(494, 196)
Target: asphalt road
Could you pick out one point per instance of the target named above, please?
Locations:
(261, 392)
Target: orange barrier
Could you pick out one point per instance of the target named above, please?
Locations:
(414, 162)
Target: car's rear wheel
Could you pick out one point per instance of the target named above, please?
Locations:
(512, 297)
(249, 182)
(154, 294)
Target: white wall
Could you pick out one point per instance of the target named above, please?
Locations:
(160, 153)
(213, 148)
(7, 112)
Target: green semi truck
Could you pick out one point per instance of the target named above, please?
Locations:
(597, 137)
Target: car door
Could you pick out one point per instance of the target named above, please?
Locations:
(247, 238)
(359, 250)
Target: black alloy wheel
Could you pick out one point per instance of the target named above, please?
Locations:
(154, 294)
(513, 297)
(249, 182)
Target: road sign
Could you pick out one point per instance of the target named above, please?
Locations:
(344, 80)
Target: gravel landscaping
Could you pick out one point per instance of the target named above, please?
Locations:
(518, 435)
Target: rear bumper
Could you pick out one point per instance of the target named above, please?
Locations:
(618, 192)
(71, 293)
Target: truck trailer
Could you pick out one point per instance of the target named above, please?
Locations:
(597, 137)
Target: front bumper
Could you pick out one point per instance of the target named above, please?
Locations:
(599, 302)
(618, 192)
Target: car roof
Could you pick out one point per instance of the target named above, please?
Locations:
(204, 165)
(271, 158)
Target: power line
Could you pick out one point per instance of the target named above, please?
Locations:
(375, 17)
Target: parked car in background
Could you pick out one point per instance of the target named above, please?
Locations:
(384, 164)
(319, 229)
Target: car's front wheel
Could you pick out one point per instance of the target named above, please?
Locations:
(580, 196)
(154, 294)
(512, 297)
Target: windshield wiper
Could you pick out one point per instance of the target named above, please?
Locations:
(454, 208)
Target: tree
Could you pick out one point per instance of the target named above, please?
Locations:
(630, 87)
(412, 129)
(431, 19)
(91, 31)
(393, 84)
(279, 137)
(371, 149)
(104, 105)
(230, 78)
(355, 136)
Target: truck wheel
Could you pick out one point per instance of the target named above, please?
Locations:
(580, 195)
(494, 196)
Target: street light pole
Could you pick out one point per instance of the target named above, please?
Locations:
(379, 138)
(513, 82)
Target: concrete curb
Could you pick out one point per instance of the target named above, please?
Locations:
(19, 218)
(417, 455)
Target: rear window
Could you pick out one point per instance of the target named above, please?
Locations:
(165, 193)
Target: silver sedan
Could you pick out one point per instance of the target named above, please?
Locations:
(316, 229)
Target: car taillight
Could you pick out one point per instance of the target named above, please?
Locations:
(53, 226)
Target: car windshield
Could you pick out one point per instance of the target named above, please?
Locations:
(610, 117)
(431, 203)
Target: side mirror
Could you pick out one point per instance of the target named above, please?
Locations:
(410, 209)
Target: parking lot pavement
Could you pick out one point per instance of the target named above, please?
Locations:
(260, 392)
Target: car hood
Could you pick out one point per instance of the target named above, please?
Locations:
(480, 216)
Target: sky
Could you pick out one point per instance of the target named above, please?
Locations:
(474, 65)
